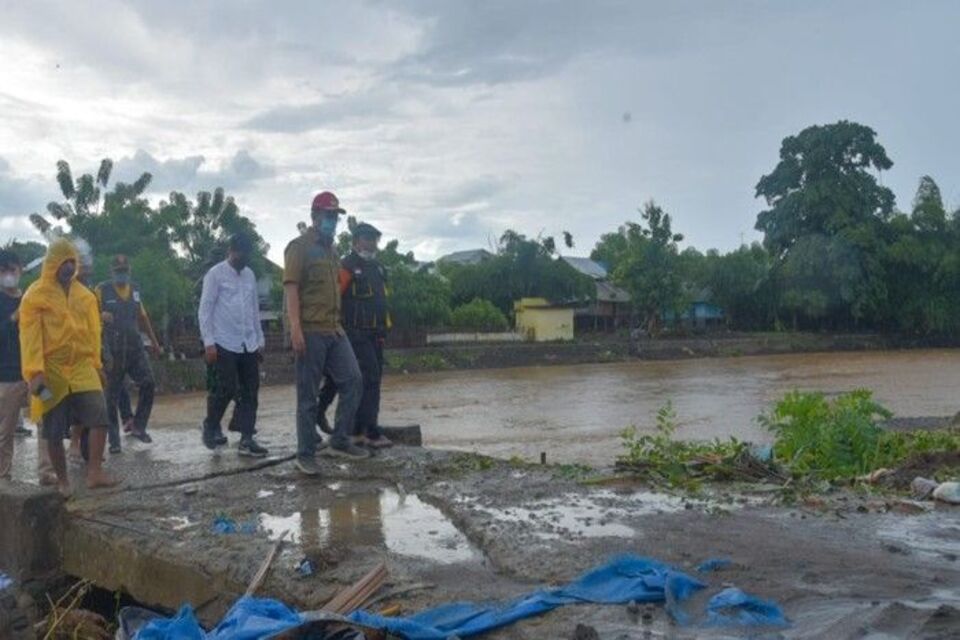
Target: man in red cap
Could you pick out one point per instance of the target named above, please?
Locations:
(311, 285)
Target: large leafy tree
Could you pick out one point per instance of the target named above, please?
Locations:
(202, 229)
(522, 267)
(645, 260)
(827, 206)
(823, 185)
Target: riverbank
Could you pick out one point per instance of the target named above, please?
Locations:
(190, 375)
(467, 527)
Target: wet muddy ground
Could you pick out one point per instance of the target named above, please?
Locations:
(468, 527)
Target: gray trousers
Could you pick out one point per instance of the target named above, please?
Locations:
(326, 355)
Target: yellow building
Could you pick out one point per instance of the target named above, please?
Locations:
(540, 321)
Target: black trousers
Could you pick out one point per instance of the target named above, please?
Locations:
(128, 360)
(234, 376)
(368, 347)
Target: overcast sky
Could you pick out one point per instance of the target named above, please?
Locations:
(444, 122)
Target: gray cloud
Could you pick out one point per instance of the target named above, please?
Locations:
(190, 173)
(21, 196)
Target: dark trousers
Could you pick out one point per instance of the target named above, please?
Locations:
(368, 349)
(326, 355)
(234, 376)
(129, 360)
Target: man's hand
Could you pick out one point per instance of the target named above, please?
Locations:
(259, 353)
(156, 350)
(36, 382)
(210, 354)
(106, 317)
(298, 342)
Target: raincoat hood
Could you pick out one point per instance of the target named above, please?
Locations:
(59, 333)
(58, 252)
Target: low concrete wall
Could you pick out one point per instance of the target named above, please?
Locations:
(469, 338)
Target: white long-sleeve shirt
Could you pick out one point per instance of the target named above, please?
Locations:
(229, 309)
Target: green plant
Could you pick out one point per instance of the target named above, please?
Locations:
(829, 439)
(478, 315)
(660, 458)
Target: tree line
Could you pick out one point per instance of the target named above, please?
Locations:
(837, 254)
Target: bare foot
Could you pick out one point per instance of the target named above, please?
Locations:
(101, 480)
(48, 479)
(64, 489)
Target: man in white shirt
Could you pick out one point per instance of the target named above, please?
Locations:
(232, 342)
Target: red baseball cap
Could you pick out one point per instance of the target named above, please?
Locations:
(326, 201)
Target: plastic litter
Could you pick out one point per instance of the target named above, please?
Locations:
(253, 619)
(131, 619)
(5, 581)
(762, 452)
(622, 580)
(306, 568)
(714, 564)
(227, 526)
(948, 492)
(735, 608)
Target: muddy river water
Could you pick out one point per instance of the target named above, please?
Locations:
(576, 413)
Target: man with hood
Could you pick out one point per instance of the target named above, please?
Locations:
(60, 355)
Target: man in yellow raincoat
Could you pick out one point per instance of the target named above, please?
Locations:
(60, 357)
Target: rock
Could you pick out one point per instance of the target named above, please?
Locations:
(922, 487)
(948, 492)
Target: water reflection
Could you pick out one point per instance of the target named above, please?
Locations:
(403, 524)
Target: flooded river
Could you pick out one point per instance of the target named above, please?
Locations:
(576, 413)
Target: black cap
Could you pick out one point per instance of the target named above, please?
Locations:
(120, 263)
(365, 229)
(241, 243)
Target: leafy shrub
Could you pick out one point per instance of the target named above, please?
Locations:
(478, 315)
(660, 458)
(842, 438)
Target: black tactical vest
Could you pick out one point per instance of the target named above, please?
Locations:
(365, 300)
(126, 314)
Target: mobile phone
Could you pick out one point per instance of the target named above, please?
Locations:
(43, 393)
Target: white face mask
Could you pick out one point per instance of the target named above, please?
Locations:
(9, 281)
(367, 255)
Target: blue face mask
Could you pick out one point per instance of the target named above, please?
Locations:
(327, 227)
(121, 278)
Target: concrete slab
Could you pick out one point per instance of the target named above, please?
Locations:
(31, 531)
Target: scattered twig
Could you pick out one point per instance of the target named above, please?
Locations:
(264, 567)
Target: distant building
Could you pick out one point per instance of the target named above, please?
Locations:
(468, 257)
(540, 321)
(611, 309)
(701, 314)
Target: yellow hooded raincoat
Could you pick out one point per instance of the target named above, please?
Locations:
(59, 333)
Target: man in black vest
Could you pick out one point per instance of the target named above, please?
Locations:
(366, 319)
(123, 317)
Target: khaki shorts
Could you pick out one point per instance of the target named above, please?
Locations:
(86, 409)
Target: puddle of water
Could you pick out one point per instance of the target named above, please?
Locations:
(929, 534)
(402, 523)
(598, 515)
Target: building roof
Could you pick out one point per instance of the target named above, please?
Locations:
(587, 267)
(607, 292)
(469, 256)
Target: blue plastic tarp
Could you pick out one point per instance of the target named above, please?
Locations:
(734, 608)
(622, 580)
(248, 619)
